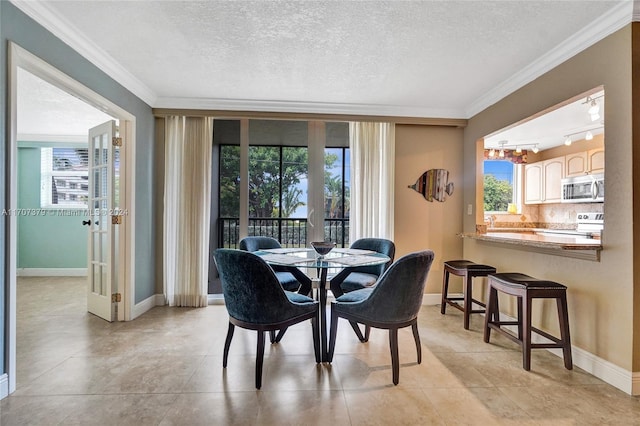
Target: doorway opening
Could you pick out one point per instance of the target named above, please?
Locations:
(23, 63)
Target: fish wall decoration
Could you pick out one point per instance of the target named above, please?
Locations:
(434, 185)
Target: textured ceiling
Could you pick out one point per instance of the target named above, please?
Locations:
(47, 113)
(416, 58)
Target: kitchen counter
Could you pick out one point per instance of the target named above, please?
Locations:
(560, 245)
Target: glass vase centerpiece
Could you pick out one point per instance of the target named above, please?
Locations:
(322, 248)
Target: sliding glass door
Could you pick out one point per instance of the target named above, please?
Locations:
(297, 182)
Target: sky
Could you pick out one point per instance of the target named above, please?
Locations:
(501, 169)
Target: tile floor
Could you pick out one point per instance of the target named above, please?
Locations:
(165, 368)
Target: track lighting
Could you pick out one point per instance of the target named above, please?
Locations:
(535, 149)
(567, 140)
(588, 136)
(501, 150)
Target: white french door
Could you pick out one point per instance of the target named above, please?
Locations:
(102, 204)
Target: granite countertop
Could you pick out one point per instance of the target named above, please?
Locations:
(528, 237)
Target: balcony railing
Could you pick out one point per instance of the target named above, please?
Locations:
(289, 231)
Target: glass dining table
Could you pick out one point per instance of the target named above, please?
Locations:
(338, 262)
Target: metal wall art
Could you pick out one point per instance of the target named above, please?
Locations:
(434, 185)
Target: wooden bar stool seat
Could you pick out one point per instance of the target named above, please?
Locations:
(468, 270)
(527, 288)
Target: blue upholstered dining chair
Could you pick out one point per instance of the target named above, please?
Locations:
(393, 303)
(365, 276)
(291, 278)
(255, 300)
(360, 277)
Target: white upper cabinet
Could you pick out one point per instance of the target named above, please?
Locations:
(595, 160)
(533, 183)
(542, 181)
(553, 172)
(591, 161)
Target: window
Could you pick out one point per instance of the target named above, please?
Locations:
(501, 185)
(64, 177)
(278, 180)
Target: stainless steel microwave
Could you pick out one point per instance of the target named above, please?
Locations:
(583, 189)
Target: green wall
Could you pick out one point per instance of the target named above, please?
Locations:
(47, 238)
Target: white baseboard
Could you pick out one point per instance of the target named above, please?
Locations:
(435, 298)
(4, 386)
(622, 379)
(215, 299)
(51, 272)
(159, 300)
(604, 370)
(147, 304)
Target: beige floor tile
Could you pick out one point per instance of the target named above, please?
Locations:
(220, 408)
(481, 406)
(358, 371)
(303, 408)
(35, 410)
(121, 410)
(391, 405)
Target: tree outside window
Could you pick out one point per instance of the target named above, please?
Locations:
(498, 185)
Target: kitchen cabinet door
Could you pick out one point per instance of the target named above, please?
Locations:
(595, 160)
(576, 164)
(553, 172)
(533, 183)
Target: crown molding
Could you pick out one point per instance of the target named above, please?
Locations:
(44, 15)
(305, 107)
(607, 24)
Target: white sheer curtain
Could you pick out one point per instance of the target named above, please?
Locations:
(187, 207)
(372, 147)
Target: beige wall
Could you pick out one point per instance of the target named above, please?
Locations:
(420, 224)
(600, 293)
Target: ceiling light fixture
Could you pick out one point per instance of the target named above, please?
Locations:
(535, 149)
(594, 109)
(492, 153)
(502, 144)
(588, 134)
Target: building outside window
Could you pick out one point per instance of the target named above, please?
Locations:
(64, 177)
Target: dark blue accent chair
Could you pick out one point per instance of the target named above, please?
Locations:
(393, 303)
(291, 278)
(255, 300)
(361, 277)
(365, 276)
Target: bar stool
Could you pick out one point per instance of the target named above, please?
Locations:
(526, 288)
(468, 270)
